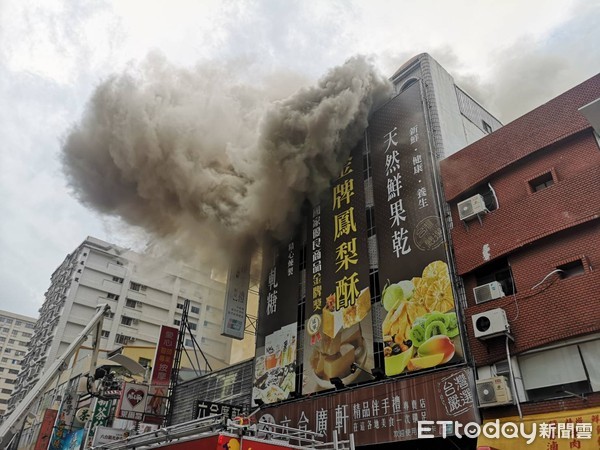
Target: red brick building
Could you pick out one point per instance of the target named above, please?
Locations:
(525, 204)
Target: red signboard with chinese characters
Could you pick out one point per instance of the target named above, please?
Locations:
(165, 354)
(46, 429)
(384, 412)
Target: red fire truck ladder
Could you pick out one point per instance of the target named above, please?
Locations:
(195, 430)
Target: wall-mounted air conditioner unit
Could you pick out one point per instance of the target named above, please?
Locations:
(490, 324)
(471, 207)
(487, 292)
(493, 392)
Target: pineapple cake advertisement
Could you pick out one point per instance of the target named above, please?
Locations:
(338, 336)
(419, 329)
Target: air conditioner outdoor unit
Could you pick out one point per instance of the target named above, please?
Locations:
(490, 324)
(471, 207)
(493, 392)
(487, 292)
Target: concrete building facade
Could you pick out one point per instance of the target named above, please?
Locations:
(530, 248)
(143, 295)
(15, 333)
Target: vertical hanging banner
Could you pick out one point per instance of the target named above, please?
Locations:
(338, 330)
(275, 362)
(99, 418)
(65, 417)
(157, 394)
(420, 329)
(236, 299)
(164, 356)
(45, 432)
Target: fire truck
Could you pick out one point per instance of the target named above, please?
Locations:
(219, 433)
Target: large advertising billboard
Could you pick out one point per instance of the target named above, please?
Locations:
(420, 328)
(276, 337)
(338, 337)
(384, 412)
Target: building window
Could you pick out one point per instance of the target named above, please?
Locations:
(498, 271)
(18, 323)
(29, 325)
(193, 326)
(105, 334)
(11, 341)
(112, 296)
(118, 280)
(13, 371)
(579, 374)
(126, 321)
(408, 84)
(131, 303)
(144, 362)
(195, 309)
(486, 127)
(177, 322)
(179, 305)
(189, 343)
(541, 182)
(27, 335)
(136, 287)
(123, 339)
(571, 269)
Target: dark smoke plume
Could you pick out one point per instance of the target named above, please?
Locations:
(207, 163)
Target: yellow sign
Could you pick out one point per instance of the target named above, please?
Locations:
(560, 430)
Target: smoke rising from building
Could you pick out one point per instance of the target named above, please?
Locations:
(207, 163)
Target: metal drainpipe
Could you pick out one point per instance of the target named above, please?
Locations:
(512, 378)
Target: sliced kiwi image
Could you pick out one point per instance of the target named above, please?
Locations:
(417, 335)
(434, 328)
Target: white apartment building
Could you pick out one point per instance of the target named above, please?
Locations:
(143, 294)
(15, 332)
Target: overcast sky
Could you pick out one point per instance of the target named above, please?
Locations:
(511, 55)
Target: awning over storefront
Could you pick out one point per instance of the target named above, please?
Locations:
(560, 430)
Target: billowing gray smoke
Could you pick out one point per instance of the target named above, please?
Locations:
(208, 163)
